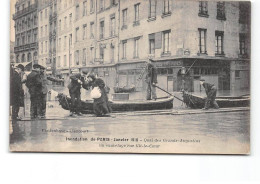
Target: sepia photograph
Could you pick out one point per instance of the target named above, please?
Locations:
(139, 76)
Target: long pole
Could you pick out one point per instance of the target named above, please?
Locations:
(168, 93)
(69, 53)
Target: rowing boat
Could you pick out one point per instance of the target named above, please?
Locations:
(119, 106)
(124, 89)
(195, 102)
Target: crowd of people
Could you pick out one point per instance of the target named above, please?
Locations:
(36, 82)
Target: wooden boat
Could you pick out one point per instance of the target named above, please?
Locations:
(119, 106)
(196, 102)
(124, 89)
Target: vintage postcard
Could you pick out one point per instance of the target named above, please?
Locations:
(121, 76)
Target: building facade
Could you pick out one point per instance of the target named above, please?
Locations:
(188, 40)
(26, 31)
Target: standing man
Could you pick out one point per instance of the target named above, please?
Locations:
(16, 90)
(44, 91)
(74, 89)
(34, 84)
(211, 92)
(151, 80)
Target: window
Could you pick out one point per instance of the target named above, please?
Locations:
(65, 42)
(41, 47)
(70, 20)
(219, 42)
(113, 2)
(237, 73)
(46, 45)
(70, 40)
(136, 47)
(84, 8)
(112, 26)
(84, 60)
(77, 57)
(101, 53)
(91, 6)
(92, 54)
(46, 16)
(65, 60)
(112, 53)
(29, 37)
(59, 44)
(202, 41)
(124, 17)
(203, 8)
(60, 25)
(244, 12)
(152, 9)
(41, 31)
(58, 63)
(77, 35)
(41, 15)
(242, 44)
(166, 42)
(102, 29)
(221, 10)
(124, 49)
(84, 32)
(77, 12)
(166, 7)
(46, 31)
(65, 22)
(92, 30)
(137, 12)
(151, 43)
(102, 5)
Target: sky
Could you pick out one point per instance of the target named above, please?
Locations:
(12, 11)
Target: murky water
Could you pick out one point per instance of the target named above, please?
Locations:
(213, 133)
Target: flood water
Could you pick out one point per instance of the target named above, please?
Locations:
(224, 133)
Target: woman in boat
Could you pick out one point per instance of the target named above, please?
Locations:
(101, 105)
(211, 92)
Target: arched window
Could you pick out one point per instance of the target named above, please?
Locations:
(29, 56)
(17, 58)
(23, 58)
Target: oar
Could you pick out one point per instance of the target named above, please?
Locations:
(168, 93)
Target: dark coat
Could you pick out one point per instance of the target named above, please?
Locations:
(34, 83)
(151, 75)
(74, 86)
(98, 82)
(207, 87)
(16, 90)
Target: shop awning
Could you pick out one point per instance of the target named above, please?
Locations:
(24, 64)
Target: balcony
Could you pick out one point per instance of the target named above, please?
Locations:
(26, 47)
(27, 10)
(52, 16)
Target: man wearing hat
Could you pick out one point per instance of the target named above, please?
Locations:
(16, 91)
(211, 92)
(76, 81)
(34, 84)
(44, 90)
(151, 80)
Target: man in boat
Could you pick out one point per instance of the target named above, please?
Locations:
(151, 80)
(101, 105)
(16, 90)
(44, 90)
(211, 92)
(34, 84)
(76, 82)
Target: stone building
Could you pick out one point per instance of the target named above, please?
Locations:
(26, 31)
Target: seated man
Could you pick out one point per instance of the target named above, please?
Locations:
(211, 92)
